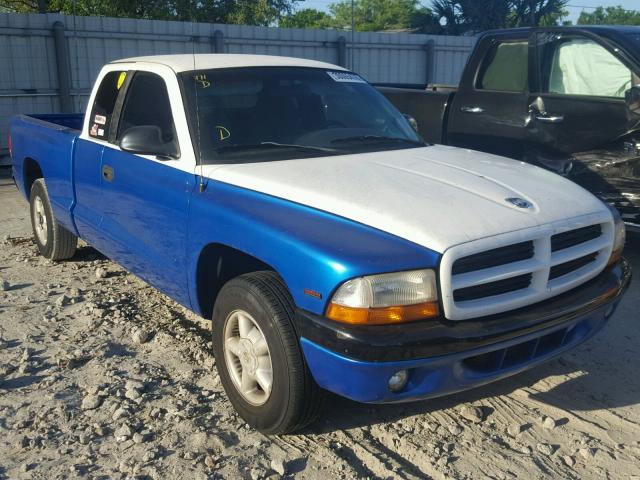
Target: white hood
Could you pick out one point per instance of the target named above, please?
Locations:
(434, 196)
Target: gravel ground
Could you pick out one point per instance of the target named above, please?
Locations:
(101, 376)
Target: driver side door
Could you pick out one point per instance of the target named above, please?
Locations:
(146, 198)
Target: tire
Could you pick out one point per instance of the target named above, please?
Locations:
(54, 241)
(294, 400)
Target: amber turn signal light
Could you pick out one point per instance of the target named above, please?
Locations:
(382, 315)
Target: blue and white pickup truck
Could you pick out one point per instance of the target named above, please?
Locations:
(292, 204)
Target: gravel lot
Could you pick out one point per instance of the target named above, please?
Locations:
(103, 377)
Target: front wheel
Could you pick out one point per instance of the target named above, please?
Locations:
(258, 355)
(54, 241)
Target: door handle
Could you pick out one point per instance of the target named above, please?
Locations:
(551, 119)
(471, 109)
(107, 173)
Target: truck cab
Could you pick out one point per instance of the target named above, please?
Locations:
(564, 98)
(291, 204)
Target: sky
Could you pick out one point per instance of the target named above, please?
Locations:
(574, 7)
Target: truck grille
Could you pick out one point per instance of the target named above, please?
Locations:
(492, 288)
(493, 258)
(509, 271)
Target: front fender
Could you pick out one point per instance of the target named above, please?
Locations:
(310, 249)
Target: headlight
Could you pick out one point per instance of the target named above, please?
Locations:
(386, 298)
(619, 236)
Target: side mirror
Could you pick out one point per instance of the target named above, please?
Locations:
(147, 140)
(411, 121)
(632, 99)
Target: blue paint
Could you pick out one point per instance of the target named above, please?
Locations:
(307, 247)
(53, 146)
(154, 221)
(145, 211)
(431, 377)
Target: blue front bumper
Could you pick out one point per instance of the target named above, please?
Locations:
(367, 381)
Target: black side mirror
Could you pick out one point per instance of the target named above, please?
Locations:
(147, 140)
(632, 98)
(411, 121)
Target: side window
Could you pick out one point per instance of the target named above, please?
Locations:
(104, 103)
(580, 66)
(147, 103)
(505, 67)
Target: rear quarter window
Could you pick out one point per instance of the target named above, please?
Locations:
(505, 68)
(104, 104)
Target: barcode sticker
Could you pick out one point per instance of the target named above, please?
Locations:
(346, 77)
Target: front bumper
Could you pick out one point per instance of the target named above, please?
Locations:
(443, 356)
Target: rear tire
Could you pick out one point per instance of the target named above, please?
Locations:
(54, 241)
(252, 331)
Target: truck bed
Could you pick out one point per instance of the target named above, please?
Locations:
(428, 107)
(48, 139)
(68, 120)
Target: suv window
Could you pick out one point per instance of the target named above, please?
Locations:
(505, 67)
(580, 66)
(147, 103)
(104, 104)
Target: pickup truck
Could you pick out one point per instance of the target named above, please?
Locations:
(564, 98)
(289, 202)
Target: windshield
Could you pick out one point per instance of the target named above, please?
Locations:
(274, 113)
(634, 37)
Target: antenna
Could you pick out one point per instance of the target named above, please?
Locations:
(202, 185)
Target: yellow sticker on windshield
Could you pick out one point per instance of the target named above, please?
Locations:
(121, 78)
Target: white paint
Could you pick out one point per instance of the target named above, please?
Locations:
(541, 288)
(185, 62)
(187, 160)
(447, 199)
(437, 196)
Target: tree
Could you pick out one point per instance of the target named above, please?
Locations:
(610, 16)
(472, 16)
(307, 18)
(380, 15)
(249, 12)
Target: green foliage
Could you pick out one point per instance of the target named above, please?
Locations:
(247, 12)
(368, 15)
(307, 18)
(610, 16)
(375, 15)
(471, 16)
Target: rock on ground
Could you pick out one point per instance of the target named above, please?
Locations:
(87, 399)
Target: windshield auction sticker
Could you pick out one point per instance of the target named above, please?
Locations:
(346, 77)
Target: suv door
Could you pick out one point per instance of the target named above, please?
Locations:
(578, 100)
(489, 111)
(146, 198)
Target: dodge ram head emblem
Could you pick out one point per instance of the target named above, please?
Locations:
(519, 202)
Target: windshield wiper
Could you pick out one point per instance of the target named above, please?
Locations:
(257, 146)
(377, 138)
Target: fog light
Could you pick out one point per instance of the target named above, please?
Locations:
(398, 380)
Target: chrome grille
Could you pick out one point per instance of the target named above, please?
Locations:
(509, 271)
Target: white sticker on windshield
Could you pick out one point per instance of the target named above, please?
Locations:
(346, 77)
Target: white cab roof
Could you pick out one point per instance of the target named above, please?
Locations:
(203, 61)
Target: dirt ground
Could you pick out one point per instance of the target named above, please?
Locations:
(103, 377)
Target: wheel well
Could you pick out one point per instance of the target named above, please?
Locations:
(32, 172)
(216, 266)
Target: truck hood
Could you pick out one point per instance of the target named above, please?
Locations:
(435, 196)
